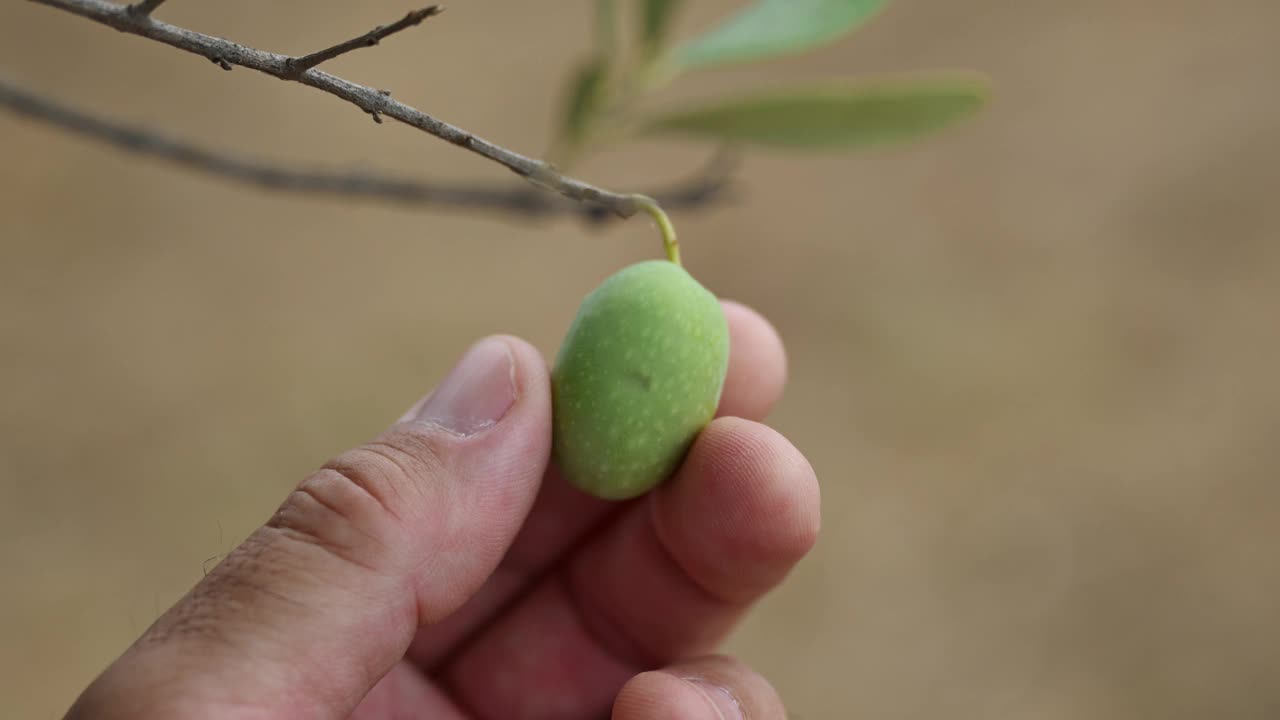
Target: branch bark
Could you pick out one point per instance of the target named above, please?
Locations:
(705, 187)
(378, 104)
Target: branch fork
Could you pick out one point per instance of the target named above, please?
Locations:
(295, 66)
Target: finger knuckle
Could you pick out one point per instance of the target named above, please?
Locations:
(395, 471)
(358, 505)
(328, 511)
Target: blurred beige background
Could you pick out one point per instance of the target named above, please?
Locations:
(1033, 359)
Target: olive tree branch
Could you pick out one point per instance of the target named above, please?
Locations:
(145, 7)
(705, 187)
(299, 65)
(227, 53)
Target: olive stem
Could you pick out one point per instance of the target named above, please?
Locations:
(669, 241)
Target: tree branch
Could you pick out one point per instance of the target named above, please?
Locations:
(706, 187)
(228, 53)
(144, 7)
(299, 65)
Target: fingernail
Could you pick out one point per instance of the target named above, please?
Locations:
(477, 392)
(724, 703)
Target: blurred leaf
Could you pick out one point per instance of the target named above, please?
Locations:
(832, 116)
(656, 19)
(606, 26)
(586, 92)
(770, 28)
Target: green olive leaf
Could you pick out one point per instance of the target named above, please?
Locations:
(769, 28)
(655, 20)
(847, 115)
(586, 92)
(606, 26)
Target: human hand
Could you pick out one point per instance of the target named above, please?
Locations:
(443, 571)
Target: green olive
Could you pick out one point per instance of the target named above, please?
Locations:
(638, 376)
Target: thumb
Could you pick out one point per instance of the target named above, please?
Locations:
(317, 605)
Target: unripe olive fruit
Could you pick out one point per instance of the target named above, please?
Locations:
(637, 378)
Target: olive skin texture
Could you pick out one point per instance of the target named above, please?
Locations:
(638, 376)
